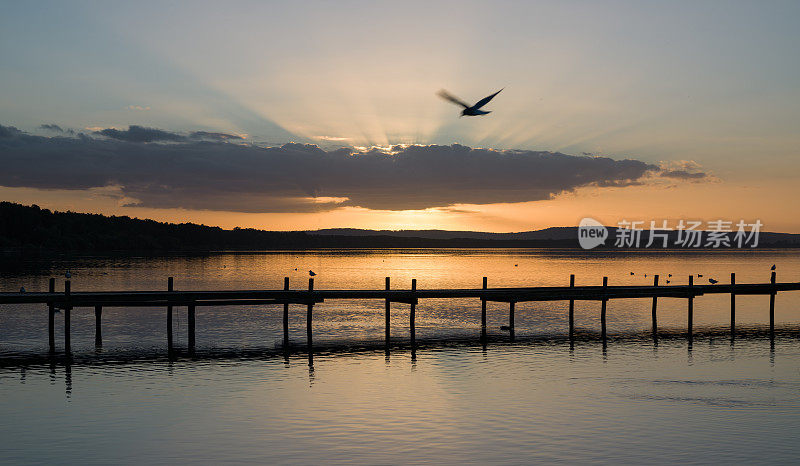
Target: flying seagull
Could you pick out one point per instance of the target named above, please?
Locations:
(469, 110)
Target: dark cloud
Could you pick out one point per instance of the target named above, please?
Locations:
(140, 134)
(9, 132)
(218, 175)
(52, 127)
(213, 136)
(683, 174)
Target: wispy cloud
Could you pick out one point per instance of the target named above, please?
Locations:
(688, 170)
(51, 127)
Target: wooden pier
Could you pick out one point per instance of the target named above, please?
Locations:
(170, 298)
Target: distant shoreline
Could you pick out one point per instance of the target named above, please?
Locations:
(32, 230)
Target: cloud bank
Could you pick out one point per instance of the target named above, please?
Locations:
(206, 171)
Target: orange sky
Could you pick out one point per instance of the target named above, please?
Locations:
(653, 82)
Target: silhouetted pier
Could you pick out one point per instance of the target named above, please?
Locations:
(309, 297)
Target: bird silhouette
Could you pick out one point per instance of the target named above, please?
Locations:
(669, 275)
(699, 275)
(712, 281)
(469, 110)
(67, 275)
(22, 289)
(311, 273)
(668, 281)
(773, 267)
(631, 273)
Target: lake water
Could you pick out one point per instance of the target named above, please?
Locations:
(453, 400)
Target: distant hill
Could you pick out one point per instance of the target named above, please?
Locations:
(33, 228)
(552, 233)
(555, 234)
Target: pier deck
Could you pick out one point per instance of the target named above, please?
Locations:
(68, 300)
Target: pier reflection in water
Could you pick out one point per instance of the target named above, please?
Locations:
(446, 401)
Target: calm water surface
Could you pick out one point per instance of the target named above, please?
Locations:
(242, 399)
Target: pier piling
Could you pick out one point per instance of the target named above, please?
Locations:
(604, 302)
(51, 318)
(388, 304)
(412, 313)
(654, 317)
(309, 313)
(67, 309)
(483, 311)
(733, 306)
(286, 315)
(98, 332)
(170, 287)
(690, 305)
(772, 307)
(511, 306)
(571, 310)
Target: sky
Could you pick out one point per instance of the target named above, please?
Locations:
(308, 115)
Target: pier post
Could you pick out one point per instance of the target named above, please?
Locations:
(412, 313)
(483, 311)
(388, 307)
(67, 309)
(733, 306)
(603, 305)
(51, 318)
(571, 309)
(653, 311)
(98, 332)
(511, 306)
(170, 286)
(772, 307)
(190, 323)
(286, 315)
(690, 316)
(309, 312)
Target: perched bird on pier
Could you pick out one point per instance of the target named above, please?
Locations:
(773, 267)
(22, 289)
(668, 281)
(712, 281)
(699, 275)
(469, 110)
(669, 274)
(632, 273)
(67, 275)
(645, 275)
(311, 273)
